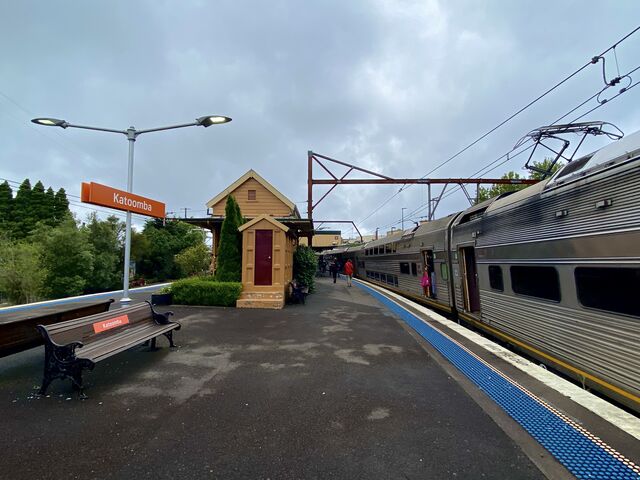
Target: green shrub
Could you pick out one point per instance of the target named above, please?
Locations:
(194, 260)
(305, 264)
(207, 277)
(196, 291)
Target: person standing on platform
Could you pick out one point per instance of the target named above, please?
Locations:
(348, 271)
(426, 283)
(333, 269)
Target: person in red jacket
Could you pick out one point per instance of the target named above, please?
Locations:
(348, 271)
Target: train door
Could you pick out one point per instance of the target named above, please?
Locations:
(428, 266)
(470, 288)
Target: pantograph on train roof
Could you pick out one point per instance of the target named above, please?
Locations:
(549, 136)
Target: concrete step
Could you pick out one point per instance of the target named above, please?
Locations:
(262, 295)
(273, 303)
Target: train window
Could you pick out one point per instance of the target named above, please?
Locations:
(404, 268)
(366, 252)
(414, 269)
(444, 271)
(395, 280)
(387, 248)
(377, 275)
(495, 278)
(536, 281)
(383, 277)
(611, 289)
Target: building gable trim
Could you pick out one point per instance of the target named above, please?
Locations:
(252, 174)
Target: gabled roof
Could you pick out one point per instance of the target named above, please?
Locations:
(266, 217)
(251, 174)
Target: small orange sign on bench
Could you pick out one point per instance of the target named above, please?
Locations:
(111, 323)
(99, 194)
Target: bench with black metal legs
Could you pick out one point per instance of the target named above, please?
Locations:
(72, 346)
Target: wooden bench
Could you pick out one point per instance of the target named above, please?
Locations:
(72, 346)
(19, 329)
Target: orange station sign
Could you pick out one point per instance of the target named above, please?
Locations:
(98, 194)
(111, 323)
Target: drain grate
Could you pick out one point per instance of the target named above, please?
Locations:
(583, 454)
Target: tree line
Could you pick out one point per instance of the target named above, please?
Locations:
(45, 252)
(485, 193)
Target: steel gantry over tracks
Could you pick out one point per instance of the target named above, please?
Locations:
(379, 179)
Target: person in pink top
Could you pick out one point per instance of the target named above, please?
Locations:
(348, 271)
(426, 283)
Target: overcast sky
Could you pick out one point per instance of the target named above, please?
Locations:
(392, 86)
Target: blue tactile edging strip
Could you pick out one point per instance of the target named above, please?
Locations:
(581, 455)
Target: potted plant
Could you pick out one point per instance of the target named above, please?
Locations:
(162, 297)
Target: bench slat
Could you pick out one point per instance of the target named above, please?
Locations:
(100, 350)
(81, 330)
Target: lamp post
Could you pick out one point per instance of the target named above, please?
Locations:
(131, 133)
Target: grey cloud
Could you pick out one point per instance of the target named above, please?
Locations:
(392, 86)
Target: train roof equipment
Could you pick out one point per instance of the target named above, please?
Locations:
(544, 136)
(624, 149)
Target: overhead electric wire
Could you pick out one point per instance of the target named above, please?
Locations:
(508, 158)
(483, 170)
(57, 138)
(558, 84)
(626, 89)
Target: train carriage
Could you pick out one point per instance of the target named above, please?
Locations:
(559, 266)
(398, 262)
(553, 269)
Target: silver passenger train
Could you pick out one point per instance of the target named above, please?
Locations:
(553, 269)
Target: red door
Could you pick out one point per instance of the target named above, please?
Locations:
(264, 249)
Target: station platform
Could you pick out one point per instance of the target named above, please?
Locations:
(354, 384)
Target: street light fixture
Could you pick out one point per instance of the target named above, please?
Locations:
(212, 120)
(50, 122)
(131, 134)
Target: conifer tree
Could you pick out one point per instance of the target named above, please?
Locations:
(230, 253)
(6, 204)
(60, 206)
(49, 202)
(38, 210)
(240, 220)
(22, 221)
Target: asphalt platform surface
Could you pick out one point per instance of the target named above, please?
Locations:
(336, 388)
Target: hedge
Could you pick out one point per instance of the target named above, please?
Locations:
(198, 291)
